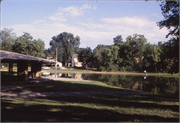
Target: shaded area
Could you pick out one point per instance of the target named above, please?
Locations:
(58, 86)
(22, 62)
(150, 84)
(59, 94)
(28, 117)
(110, 108)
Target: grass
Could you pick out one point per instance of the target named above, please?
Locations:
(58, 86)
(101, 72)
(110, 108)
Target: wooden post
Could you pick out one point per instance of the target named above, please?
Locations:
(36, 69)
(22, 70)
(10, 69)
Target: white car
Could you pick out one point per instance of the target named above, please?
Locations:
(46, 68)
(45, 74)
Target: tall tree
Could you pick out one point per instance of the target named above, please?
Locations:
(86, 56)
(26, 45)
(137, 42)
(99, 55)
(118, 39)
(156, 56)
(170, 11)
(7, 38)
(66, 45)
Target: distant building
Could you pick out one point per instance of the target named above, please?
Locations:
(58, 64)
(75, 62)
(54, 60)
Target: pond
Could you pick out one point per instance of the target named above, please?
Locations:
(151, 84)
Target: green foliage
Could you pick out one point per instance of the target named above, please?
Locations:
(85, 55)
(26, 45)
(170, 11)
(7, 38)
(118, 40)
(107, 57)
(156, 54)
(66, 45)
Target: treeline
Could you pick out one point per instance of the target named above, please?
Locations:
(24, 44)
(133, 54)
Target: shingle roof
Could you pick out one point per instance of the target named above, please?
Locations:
(12, 56)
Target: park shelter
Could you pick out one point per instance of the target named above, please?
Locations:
(22, 62)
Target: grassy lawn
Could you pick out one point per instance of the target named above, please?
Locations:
(111, 108)
(58, 86)
(99, 72)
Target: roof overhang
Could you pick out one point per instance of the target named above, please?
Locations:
(6, 56)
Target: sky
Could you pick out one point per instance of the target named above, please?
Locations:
(95, 22)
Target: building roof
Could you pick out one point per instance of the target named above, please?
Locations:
(12, 56)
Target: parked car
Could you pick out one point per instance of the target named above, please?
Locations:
(45, 68)
(88, 68)
(55, 74)
(45, 74)
(58, 68)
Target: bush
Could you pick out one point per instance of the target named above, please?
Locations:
(102, 68)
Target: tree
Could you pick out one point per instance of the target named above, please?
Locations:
(118, 39)
(26, 45)
(112, 58)
(127, 59)
(98, 54)
(66, 45)
(86, 56)
(7, 38)
(137, 43)
(170, 11)
(156, 56)
(48, 53)
(170, 56)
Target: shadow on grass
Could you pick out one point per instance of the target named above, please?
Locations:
(122, 101)
(110, 114)
(58, 86)
(95, 113)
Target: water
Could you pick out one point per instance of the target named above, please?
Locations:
(151, 84)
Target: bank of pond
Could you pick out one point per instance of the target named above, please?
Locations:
(168, 86)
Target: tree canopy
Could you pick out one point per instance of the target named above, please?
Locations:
(170, 11)
(66, 45)
(26, 45)
(7, 38)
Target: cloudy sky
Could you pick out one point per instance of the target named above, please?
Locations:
(95, 22)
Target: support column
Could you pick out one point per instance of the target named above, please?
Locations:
(22, 71)
(10, 69)
(36, 69)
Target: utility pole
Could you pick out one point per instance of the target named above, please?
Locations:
(56, 57)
